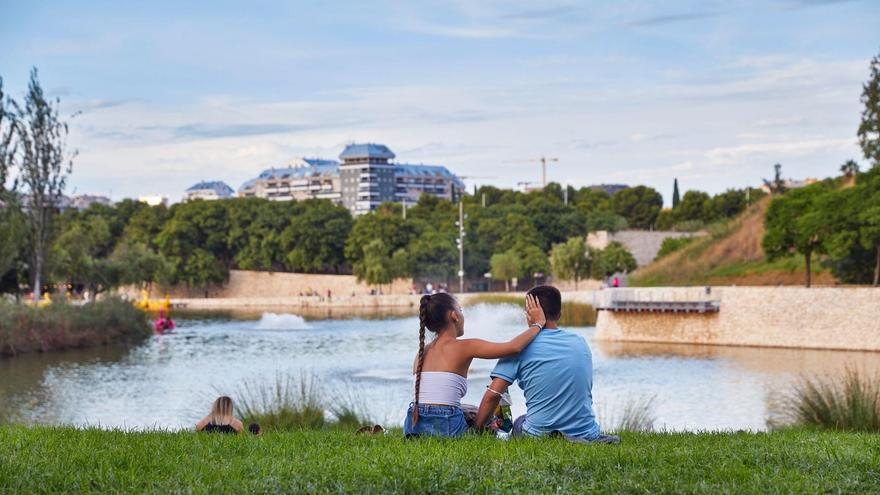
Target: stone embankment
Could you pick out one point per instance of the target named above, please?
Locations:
(816, 318)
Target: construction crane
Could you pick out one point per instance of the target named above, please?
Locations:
(543, 161)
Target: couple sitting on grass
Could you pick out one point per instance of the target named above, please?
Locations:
(554, 369)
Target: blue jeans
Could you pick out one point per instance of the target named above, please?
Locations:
(435, 420)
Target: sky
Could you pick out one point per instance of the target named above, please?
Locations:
(161, 95)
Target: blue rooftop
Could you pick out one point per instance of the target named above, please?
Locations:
(220, 187)
(367, 150)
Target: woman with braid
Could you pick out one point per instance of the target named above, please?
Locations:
(441, 367)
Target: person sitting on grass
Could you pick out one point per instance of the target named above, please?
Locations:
(441, 367)
(555, 372)
(221, 418)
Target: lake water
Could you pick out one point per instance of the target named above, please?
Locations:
(170, 380)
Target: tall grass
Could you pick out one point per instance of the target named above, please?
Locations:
(574, 314)
(296, 402)
(850, 404)
(25, 328)
(633, 414)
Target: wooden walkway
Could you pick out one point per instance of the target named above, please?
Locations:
(662, 306)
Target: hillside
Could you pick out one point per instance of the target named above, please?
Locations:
(730, 255)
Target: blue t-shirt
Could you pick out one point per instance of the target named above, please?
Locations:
(555, 372)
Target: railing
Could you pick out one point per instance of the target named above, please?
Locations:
(685, 300)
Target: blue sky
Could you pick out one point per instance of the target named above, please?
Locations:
(713, 93)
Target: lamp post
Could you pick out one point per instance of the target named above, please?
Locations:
(460, 242)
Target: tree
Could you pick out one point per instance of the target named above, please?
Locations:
(533, 260)
(675, 197)
(506, 266)
(640, 206)
(45, 165)
(570, 260)
(869, 128)
(315, 238)
(605, 220)
(693, 207)
(849, 168)
(615, 258)
(869, 219)
(79, 256)
(777, 186)
(8, 143)
(140, 265)
(795, 224)
(431, 255)
(375, 267)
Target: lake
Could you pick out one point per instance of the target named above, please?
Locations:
(170, 380)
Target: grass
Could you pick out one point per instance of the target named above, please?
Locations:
(296, 403)
(25, 328)
(55, 459)
(852, 404)
(574, 314)
(731, 253)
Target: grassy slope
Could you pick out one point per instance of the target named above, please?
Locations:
(46, 459)
(731, 254)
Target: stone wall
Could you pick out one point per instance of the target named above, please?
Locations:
(819, 318)
(253, 284)
(643, 244)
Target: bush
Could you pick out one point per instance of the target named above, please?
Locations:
(295, 403)
(824, 403)
(25, 328)
(672, 244)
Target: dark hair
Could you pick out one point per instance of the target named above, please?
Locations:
(550, 299)
(254, 428)
(433, 313)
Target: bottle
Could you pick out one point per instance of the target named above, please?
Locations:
(503, 416)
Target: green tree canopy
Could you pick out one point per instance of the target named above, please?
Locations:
(794, 223)
(869, 128)
(640, 206)
(506, 266)
(571, 260)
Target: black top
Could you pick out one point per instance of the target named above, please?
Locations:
(212, 428)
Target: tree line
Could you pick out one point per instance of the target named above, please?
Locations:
(838, 219)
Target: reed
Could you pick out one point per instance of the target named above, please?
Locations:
(296, 402)
(850, 404)
(25, 328)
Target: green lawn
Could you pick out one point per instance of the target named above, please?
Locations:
(44, 459)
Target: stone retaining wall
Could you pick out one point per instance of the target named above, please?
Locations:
(817, 318)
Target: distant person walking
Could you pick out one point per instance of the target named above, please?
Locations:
(221, 418)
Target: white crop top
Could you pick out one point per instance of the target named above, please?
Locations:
(442, 387)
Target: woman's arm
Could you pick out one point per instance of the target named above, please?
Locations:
(484, 349)
(203, 423)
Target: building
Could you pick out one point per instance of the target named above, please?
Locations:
(209, 190)
(364, 179)
(790, 184)
(83, 201)
(154, 200)
(301, 179)
(611, 189)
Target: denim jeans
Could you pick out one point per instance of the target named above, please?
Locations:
(435, 420)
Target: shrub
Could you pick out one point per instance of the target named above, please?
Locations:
(295, 403)
(672, 244)
(852, 404)
(25, 328)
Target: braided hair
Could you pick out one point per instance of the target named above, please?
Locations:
(433, 312)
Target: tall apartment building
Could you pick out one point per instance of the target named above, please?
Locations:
(364, 179)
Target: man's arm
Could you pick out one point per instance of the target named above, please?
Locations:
(490, 401)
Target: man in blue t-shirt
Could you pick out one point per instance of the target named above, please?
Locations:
(555, 372)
